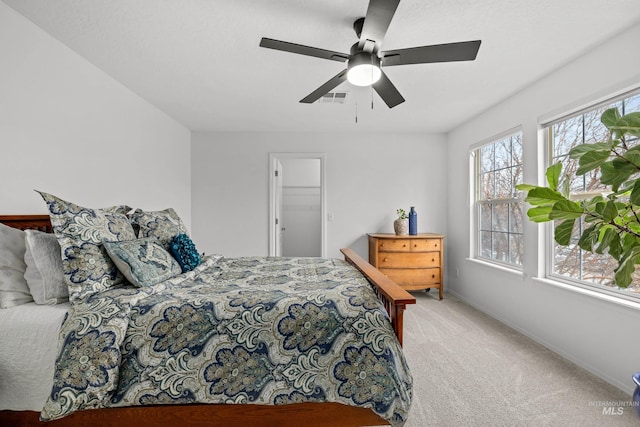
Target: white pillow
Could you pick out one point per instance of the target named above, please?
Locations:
(44, 273)
(13, 287)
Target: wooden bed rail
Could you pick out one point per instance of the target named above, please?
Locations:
(394, 298)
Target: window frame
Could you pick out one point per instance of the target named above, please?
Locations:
(548, 249)
(476, 202)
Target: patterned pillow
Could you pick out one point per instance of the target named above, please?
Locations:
(80, 232)
(13, 288)
(185, 252)
(144, 262)
(162, 225)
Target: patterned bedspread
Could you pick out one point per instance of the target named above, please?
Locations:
(242, 330)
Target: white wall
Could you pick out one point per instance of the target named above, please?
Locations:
(598, 335)
(71, 130)
(368, 176)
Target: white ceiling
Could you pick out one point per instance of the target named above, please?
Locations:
(199, 60)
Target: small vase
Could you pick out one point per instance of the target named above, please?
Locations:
(401, 227)
(413, 222)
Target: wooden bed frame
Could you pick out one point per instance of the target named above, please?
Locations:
(394, 298)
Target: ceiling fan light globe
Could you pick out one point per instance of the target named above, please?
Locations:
(363, 75)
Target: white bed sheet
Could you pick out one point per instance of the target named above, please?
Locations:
(28, 349)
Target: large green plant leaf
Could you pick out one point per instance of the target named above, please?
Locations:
(543, 196)
(566, 209)
(553, 175)
(610, 117)
(627, 266)
(627, 124)
(540, 213)
(582, 149)
(616, 172)
(563, 231)
(592, 160)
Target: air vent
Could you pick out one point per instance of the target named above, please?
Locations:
(334, 98)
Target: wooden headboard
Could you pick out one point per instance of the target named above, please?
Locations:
(28, 222)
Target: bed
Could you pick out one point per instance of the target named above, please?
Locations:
(293, 411)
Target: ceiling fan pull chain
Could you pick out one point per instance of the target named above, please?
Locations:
(356, 111)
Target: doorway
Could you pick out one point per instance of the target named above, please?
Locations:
(297, 204)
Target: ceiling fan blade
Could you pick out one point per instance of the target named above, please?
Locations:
(303, 50)
(325, 88)
(449, 52)
(376, 22)
(388, 91)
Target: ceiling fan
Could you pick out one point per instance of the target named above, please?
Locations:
(365, 59)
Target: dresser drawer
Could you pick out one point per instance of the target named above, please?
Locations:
(394, 245)
(425, 245)
(408, 260)
(413, 276)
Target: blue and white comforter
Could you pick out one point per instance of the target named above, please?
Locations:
(243, 330)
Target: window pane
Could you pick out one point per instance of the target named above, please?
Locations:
(485, 216)
(516, 249)
(487, 188)
(566, 135)
(500, 217)
(503, 153)
(486, 159)
(515, 217)
(503, 187)
(485, 244)
(632, 104)
(501, 247)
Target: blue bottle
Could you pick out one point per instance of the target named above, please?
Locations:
(413, 222)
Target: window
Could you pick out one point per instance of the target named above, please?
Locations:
(571, 262)
(498, 205)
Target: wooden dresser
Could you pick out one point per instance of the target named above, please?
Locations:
(413, 262)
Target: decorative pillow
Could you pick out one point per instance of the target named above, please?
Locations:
(80, 232)
(44, 273)
(13, 288)
(144, 262)
(184, 251)
(162, 225)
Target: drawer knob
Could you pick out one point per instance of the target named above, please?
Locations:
(433, 276)
(433, 260)
(384, 260)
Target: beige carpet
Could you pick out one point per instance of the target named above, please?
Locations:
(471, 370)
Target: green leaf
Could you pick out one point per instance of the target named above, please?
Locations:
(566, 209)
(543, 196)
(553, 175)
(592, 160)
(627, 124)
(627, 266)
(539, 214)
(610, 117)
(525, 187)
(582, 149)
(616, 172)
(563, 232)
(634, 197)
(589, 238)
(609, 212)
(606, 237)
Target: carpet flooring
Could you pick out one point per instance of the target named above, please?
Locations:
(471, 370)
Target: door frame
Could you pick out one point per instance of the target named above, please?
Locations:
(273, 158)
